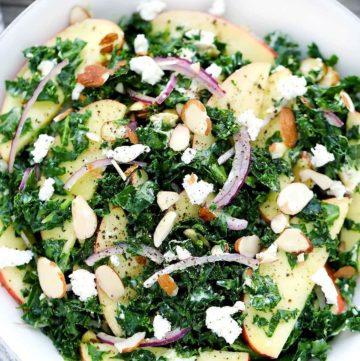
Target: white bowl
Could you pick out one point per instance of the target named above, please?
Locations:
(334, 28)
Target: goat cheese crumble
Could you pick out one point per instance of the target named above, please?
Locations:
(291, 87)
(42, 147)
(46, 66)
(196, 191)
(188, 155)
(182, 253)
(321, 156)
(148, 69)
(83, 284)
(187, 54)
(337, 189)
(252, 123)
(217, 8)
(214, 70)
(149, 9)
(141, 44)
(205, 39)
(127, 153)
(47, 189)
(219, 320)
(322, 279)
(161, 327)
(10, 257)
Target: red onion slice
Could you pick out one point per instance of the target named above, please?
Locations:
(133, 125)
(184, 67)
(239, 170)
(141, 97)
(198, 261)
(226, 156)
(24, 179)
(333, 119)
(236, 224)
(146, 251)
(54, 72)
(169, 87)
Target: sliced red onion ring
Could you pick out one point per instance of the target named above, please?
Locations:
(146, 251)
(170, 337)
(198, 261)
(54, 72)
(133, 125)
(24, 179)
(239, 170)
(85, 169)
(169, 87)
(236, 224)
(333, 119)
(184, 67)
(227, 155)
(141, 97)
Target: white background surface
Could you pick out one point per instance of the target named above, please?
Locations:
(334, 28)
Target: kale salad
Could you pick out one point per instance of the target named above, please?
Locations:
(175, 189)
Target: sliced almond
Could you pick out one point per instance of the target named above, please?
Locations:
(78, 14)
(132, 136)
(108, 280)
(129, 344)
(277, 150)
(345, 97)
(94, 76)
(248, 246)
(165, 199)
(206, 215)
(51, 278)
(313, 66)
(180, 138)
(168, 285)
(330, 79)
(322, 180)
(195, 117)
(131, 169)
(292, 240)
(63, 115)
(164, 228)
(269, 255)
(288, 128)
(345, 272)
(279, 222)
(109, 39)
(294, 198)
(84, 218)
(179, 107)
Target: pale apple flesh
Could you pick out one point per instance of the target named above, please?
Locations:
(235, 37)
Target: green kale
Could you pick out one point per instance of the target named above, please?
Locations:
(139, 355)
(224, 124)
(314, 52)
(154, 138)
(9, 122)
(95, 354)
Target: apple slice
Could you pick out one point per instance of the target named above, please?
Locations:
(166, 199)
(244, 89)
(84, 218)
(292, 240)
(236, 38)
(51, 278)
(194, 116)
(223, 355)
(164, 228)
(109, 282)
(129, 344)
(184, 208)
(343, 205)
(180, 138)
(203, 142)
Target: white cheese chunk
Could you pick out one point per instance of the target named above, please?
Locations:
(10, 257)
(120, 88)
(204, 39)
(47, 189)
(321, 156)
(337, 189)
(219, 320)
(149, 9)
(170, 256)
(188, 155)
(127, 153)
(196, 191)
(217, 8)
(161, 327)
(214, 70)
(75, 95)
(187, 54)
(83, 284)
(291, 87)
(322, 279)
(251, 122)
(148, 69)
(182, 253)
(46, 66)
(141, 44)
(42, 147)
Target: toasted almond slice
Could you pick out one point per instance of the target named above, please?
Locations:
(179, 107)
(345, 272)
(168, 285)
(108, 280)
(63, 115)
(248, 246)
(78, 14)
(94, 76)
(269, 255)
(109, 39)
(292, 240)
(314, 66)
(330, 79)
(322, 180)
(279, 222)
(132, 136)
(165, 199)
(52, 280)
(164, 228)
(288, 128)
(206, 215)
(84, 218)
(131, 169)
(195, 117)
(129, 344)
(277, 150)
(180, 138)
(294, 198)
(345, 97)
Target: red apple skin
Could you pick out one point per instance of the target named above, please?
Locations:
(248, 341)
(341, 304)
(6, 284)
